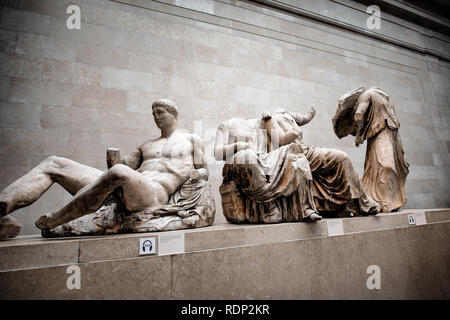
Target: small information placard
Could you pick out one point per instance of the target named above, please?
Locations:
(421, 218)
(171, 243)
(335, 227)
(411, 218)
(147, 245)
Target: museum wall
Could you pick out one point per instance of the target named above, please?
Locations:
(73, 93)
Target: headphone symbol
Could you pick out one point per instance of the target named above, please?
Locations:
(147, 244)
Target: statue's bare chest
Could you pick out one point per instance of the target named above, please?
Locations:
(172, 147)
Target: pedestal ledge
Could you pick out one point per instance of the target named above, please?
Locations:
(34, 251)
(185, 259)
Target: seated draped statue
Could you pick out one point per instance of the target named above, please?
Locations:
(160, 186)
(271, 176)
(370, 115)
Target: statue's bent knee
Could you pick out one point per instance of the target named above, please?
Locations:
(340, 155)
(52, 161)
(118, 171)
(247, 156)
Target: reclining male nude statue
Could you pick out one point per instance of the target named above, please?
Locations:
(271, 176)
(160, 186)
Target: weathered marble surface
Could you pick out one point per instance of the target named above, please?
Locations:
(369, 114)
(271, 176)
(160, 186)
(216, 73)
(9, 227)
(191, 206)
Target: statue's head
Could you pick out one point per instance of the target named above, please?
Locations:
(165, 112)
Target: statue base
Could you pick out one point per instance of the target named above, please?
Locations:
(329, 259)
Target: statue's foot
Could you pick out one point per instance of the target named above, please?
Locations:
(9, 227)
(49, 233)
(385, 208)
(375, 209)
(42, 222)
(313, 217)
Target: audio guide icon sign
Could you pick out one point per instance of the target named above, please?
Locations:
(147, 245)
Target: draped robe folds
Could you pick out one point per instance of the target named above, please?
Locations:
(336, 186)
(290, 182)
(385, 168)
(276, 186)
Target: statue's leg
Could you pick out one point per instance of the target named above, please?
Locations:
(380, 175)
(71, 175)
(138, 193)
(337, 180)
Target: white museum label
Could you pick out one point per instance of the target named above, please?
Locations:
(147, 245)
(335, 227)
(411, 218)
(171, 243)
(421, 218)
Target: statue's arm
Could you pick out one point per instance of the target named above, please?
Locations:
(303, 119)
(363, 105)
(198, 154)
(223, 149)
(276, 134)
(133, 159)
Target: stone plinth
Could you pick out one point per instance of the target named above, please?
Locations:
(323, 260)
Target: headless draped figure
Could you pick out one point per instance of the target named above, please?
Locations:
(385, 168)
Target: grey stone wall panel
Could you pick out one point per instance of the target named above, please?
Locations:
(76, 92)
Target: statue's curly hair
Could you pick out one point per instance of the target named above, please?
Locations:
(169, 105)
